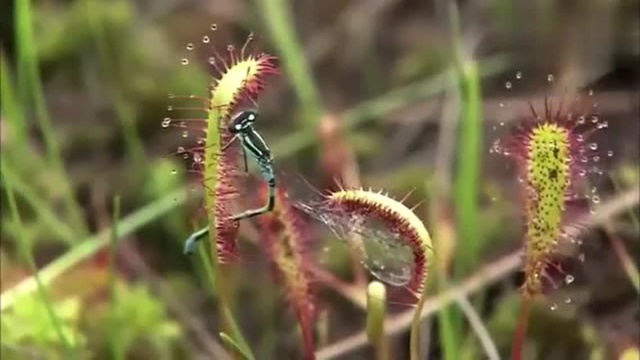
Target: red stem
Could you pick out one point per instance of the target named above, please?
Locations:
(521, 330)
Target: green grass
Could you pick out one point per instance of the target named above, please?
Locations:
(277, 17)
(25, 247)
(117, 349)
(281, 26)
(32, 97)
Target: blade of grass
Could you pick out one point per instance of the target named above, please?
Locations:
(123, 108)
(280, 23)
(218, 285)
(625, 259)
(481, 331)
(26, 249)
(11, 110)
(440, 189)
(117, 350)
(31, 89)
(466, 183)
(466, 187)
(231, 344)
(91, 245)
(632, 215)
(41, 208)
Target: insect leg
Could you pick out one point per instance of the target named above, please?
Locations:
(266, 167)
(229, 143)
(191, 243)
(244, 157)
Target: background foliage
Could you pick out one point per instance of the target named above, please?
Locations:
(418, 91)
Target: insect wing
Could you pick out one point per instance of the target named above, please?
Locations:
(384, 254)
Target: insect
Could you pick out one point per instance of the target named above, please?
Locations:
(242, 127)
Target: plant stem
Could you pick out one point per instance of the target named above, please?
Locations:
(31, 89)
(280, 23)
(521, 330)
(414, 345)
(24, 244)
(117, 349)
(90, 246)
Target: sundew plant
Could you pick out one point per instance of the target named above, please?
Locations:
(554, 152)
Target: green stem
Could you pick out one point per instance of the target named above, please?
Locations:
(280, 23)
(117, 349)
(124, 109)
(89, 246)
(24, 244)
(40, 207)
(414, 342)
(31, 88)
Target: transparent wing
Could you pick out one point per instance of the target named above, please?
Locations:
(384, 253)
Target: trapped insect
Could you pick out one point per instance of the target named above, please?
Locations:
(252, 142)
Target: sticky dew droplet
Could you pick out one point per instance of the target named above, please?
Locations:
(553, 307)
(206, 39)
(519, 75)
(507, 85)
(569, 279)
(185, 134)
(166, 122)
(184, 61)
(214, 27)
(550, 77)
(190, 46)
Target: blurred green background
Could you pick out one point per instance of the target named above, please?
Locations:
(400, 95)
